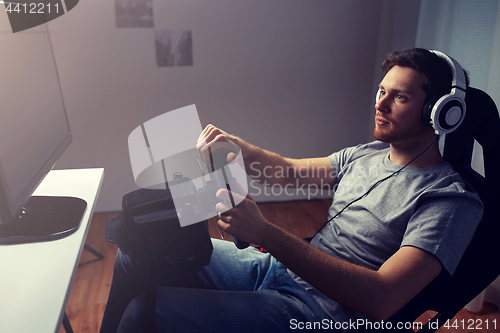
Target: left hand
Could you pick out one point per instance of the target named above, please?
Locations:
(212, 139)
(245, 221)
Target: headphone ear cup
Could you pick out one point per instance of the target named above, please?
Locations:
(445, 114)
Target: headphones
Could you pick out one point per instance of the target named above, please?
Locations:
(446, 113)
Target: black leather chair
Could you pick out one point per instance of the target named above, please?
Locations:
(480, 265)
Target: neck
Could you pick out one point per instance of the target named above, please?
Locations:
(404, 152)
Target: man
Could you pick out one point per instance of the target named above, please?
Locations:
(382, 245)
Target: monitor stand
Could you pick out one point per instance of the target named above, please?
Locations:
(44, 218)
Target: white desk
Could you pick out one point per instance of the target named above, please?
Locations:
(36, 279)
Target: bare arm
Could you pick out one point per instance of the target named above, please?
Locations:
(377, 294)
(266, 166)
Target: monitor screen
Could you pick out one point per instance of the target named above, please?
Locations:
(34, 128)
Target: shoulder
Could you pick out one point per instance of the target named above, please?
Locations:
(442, 188)
(448, 212)
(449, 183)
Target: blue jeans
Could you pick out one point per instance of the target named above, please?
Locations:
(239, 291)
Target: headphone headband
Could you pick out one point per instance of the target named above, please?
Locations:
(457, 71)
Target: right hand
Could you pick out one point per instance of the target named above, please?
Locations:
(212, 139)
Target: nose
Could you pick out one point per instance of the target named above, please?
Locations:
(380, 104)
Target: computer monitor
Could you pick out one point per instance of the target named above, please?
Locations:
(34, 133)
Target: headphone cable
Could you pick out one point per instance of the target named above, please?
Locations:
(382, 180)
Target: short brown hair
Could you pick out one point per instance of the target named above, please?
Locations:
(437, 72)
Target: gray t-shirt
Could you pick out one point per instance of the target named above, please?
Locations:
(432, 209)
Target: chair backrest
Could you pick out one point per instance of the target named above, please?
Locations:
(479, 266)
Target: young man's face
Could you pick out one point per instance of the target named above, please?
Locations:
(399, 109)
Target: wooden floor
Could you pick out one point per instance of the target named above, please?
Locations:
(93, 278)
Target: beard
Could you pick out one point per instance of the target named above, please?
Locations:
(394, 134)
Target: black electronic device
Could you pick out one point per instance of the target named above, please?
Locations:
(34, 134)
(149, 226)
(219, 159)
